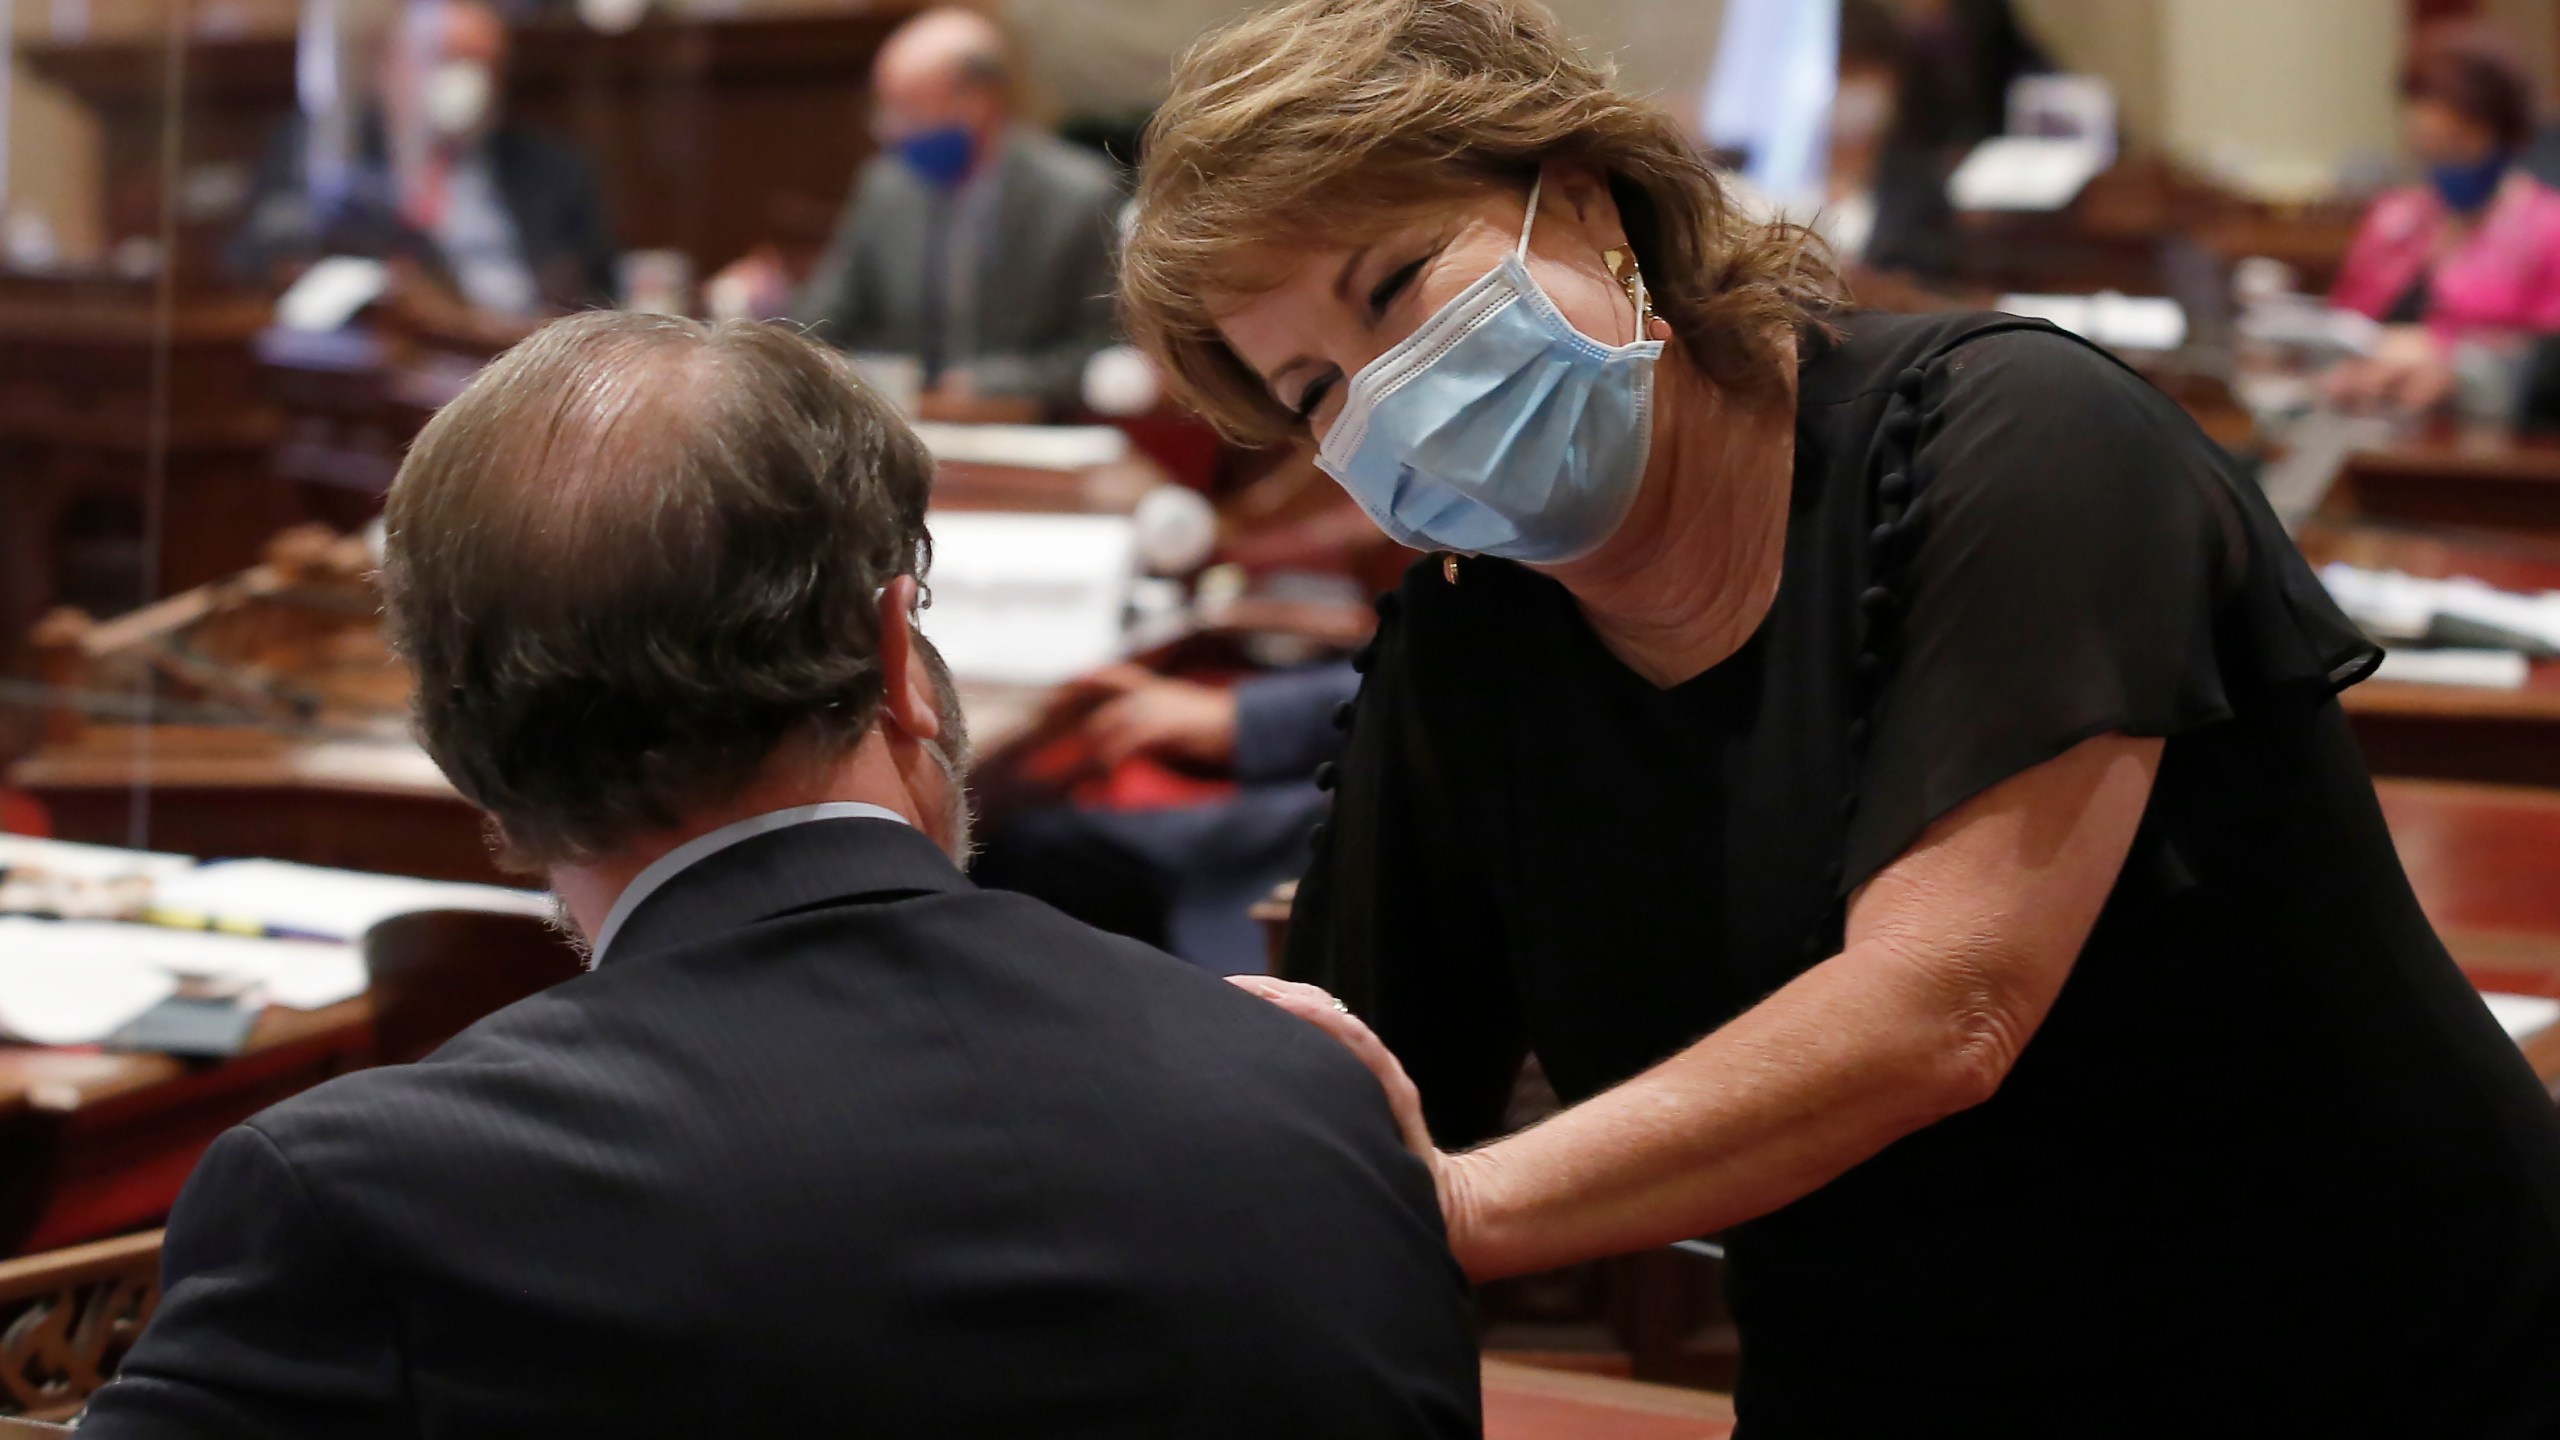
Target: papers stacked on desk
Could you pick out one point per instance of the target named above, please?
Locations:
(2481, 635)
(274, 897)
(1027, 447)
(79, 982)
(233, 936)
(1029, 599)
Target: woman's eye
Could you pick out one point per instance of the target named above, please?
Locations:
(1313, 396)
(1393, 285)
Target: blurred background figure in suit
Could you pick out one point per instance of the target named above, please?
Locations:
(973, 245)
(506, 218)
(1184, 877)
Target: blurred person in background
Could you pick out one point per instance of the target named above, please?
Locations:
(1887, 208)
(1184, 876)
(973, 243)
(2472, 254)
(509, 221)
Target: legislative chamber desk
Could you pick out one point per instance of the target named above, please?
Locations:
(2451, 474)
(2453, 732)
(93, 1143)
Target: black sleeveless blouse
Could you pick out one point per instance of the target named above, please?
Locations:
(2268, 1167)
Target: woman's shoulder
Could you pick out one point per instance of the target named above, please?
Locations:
(1873, 353)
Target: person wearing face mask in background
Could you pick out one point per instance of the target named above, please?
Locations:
(504, 219)
(2471, 254)
(1886, 768)
(975, 245)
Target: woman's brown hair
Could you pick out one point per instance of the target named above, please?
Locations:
(1321, 121)
(2471, 67)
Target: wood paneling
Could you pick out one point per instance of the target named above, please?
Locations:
(710, 135)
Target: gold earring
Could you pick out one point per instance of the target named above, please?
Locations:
(1630, 277)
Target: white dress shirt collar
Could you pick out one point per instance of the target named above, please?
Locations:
(702, 847)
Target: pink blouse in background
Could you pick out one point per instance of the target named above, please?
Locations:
(2504, 276)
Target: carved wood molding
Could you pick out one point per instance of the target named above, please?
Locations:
(68, 1317)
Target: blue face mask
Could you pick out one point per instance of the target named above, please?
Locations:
(942, 156)
(1497, 428)
(2469, 188)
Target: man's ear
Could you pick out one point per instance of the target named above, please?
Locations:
(908, 701)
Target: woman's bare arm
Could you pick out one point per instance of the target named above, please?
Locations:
(1954, 953)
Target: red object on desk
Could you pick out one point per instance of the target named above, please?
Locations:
(23, 814)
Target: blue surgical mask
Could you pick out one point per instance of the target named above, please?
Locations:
(2469, 188)
(1497, 428)
(942, 156)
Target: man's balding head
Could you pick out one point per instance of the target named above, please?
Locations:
(946, 68)
(635, 557)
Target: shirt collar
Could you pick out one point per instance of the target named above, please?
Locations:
(702, 847)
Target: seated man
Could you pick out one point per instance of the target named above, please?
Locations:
(1186, 876)
(830, 1141)
(979, 246)
(506, 218)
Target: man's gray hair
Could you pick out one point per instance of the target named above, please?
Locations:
(633, 558)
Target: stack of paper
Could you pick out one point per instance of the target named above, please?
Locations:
(57, 990)
(273, 897)
(1029, 447)
(1029, 599)
(2524, 1016)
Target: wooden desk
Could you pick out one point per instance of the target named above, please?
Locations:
(1523, 1402)
(2453, 732)
(76, 433)
(222, 793)
(93, 1143)
(2454, 475)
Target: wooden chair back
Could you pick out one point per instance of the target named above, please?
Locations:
(67, 1317)
(436, 972)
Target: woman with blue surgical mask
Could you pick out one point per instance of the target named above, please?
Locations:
(1886, 769)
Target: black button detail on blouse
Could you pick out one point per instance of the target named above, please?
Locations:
(1882, 537)
(1900, 426)
(1361, 657)
(1327, 775)
(1877, 602)
(1388, 603)
(1342, 715)
(1894, 488)
(1910, 381)
(1869, 668)
(1316, 836)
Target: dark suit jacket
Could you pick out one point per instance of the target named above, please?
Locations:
(1042, 282)
(832, 1143)
(549, 189)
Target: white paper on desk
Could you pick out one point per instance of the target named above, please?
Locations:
(331, 292)
(2025, 172)
(87, 862)
(2523, 1016)
(325, 904)
(299, 974)
(1031, 447)
(1029, 599)
(58, 987)
(2119, 322)
(2479, 669)
(2395, 605)
(391, 764)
